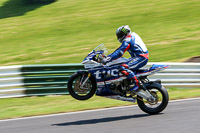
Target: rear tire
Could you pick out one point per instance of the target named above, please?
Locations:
(163, 103)
(78, 93)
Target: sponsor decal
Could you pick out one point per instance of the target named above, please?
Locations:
(113, 72)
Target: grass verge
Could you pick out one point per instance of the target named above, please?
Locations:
(66, 30)
(32, 106)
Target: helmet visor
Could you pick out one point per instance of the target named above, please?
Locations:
(120, 36)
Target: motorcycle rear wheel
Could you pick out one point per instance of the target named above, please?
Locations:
(76, 91)
(162, 98)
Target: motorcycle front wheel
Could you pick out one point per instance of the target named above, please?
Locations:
(79, 92)
(162, 98)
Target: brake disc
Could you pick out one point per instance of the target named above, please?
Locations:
(78, 88)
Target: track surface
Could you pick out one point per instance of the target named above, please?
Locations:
(179, 117)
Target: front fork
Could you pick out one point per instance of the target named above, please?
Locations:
(83, 81)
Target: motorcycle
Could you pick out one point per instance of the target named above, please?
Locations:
(107, 80)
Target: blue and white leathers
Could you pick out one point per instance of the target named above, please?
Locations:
(138, 51)
(133, 44)
(136, 48)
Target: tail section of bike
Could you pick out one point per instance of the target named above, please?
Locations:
(152, 70)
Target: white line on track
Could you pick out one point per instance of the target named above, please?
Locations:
(86, 111)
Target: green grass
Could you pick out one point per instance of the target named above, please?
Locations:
(31, 106)
(66, 30)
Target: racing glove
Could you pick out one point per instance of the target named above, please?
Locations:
(106, 60)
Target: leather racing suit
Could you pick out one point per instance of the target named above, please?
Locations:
(139, 56)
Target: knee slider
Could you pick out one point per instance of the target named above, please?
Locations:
(125, 73)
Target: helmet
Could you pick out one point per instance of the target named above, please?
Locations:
(122, 32)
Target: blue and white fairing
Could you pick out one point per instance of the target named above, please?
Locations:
(104, 74)
(153, 69)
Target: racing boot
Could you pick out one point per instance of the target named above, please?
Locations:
(137, 88)
(134, 87)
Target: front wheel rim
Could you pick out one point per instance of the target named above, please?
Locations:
(81, 91)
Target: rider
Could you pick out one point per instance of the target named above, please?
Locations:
(132, 43)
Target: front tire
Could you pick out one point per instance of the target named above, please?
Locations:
(159, 105)
(81, 93)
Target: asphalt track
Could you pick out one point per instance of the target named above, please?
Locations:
(178, 117)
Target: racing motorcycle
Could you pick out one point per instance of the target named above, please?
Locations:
(107, 80)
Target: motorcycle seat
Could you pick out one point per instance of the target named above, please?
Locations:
(141, 70)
